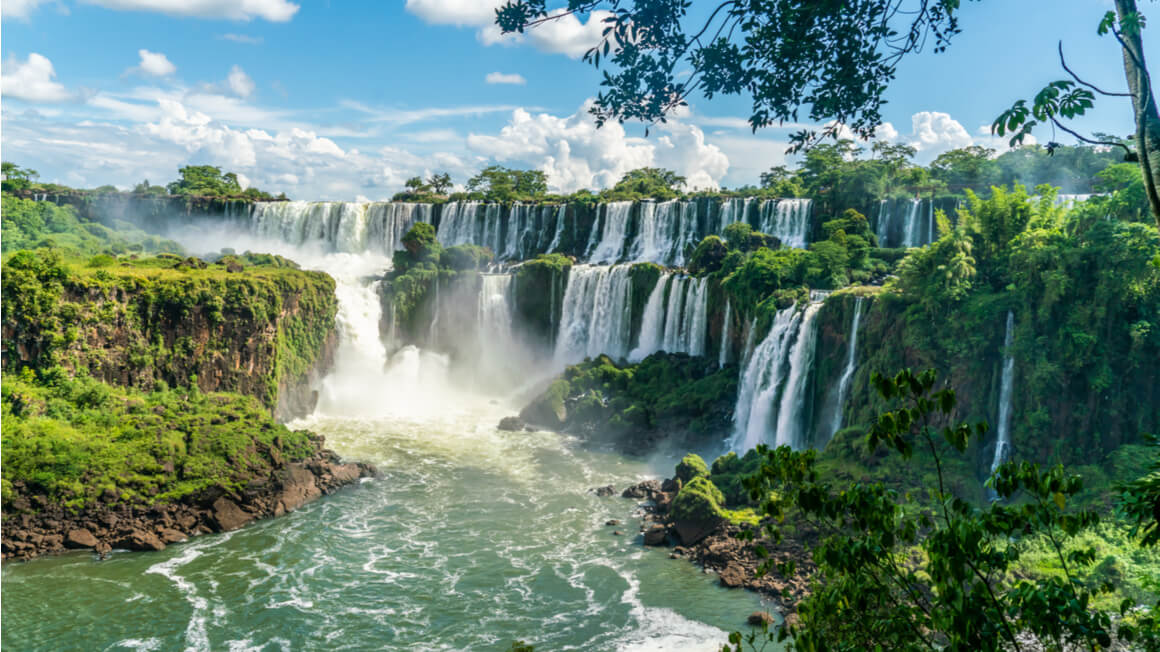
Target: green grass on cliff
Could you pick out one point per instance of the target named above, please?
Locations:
(252, 322)
(78, 441)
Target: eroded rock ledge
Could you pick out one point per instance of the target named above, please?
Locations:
(35, 527)
(714, 545)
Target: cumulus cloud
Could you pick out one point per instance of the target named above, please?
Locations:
(574, 154)
(566, 35)
(154, 64)
(272, 10)
(505, 78)
(935, 133)
(239, 82)
(18, 8)
(32, 80)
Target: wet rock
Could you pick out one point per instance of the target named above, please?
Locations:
(643, 490)
(511, 424)
(605, 491)
(611, 522)
(226, 515)
(759, 618)
(617, 533)
(655, 535)
(80, 538)
(140, 540)
(169, 535)
(733, 576)
(298, 487)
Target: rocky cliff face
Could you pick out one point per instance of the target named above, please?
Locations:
(262, 331)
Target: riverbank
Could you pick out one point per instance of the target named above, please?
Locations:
(717, 545)
(40, 527)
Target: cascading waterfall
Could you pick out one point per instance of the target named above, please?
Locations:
(457, 223)
(848, 372)
(561, 211)
(760, 380)
(787, 219)
(613, 234)
(1006, 382)
(652, 324)
(735, 209)
(346, 227)
(904, 223)
(686, 316)
(594, 318)
(774, 383)
(723, 353)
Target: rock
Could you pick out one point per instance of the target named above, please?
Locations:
(733, 576)
(344, 474)
(80, 538)
(612, 521)
(169, 535)
(226, 514)
(696, 511)
(617, 533)
(511, 424)
(643, 490)
(655, 535)
(691, 466)
(103, 549)
(605, 491)
(670, 485)
(299, 487)
(664, 501)
(141, 540)
(759, 618)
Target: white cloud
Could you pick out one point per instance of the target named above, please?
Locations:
(505, 78)
(239, 82)
(566, 35)
(272, 10)
(154, 64)
(245, 39)
(32, 80)
(935, 133)
(575, 154)
(18, 8)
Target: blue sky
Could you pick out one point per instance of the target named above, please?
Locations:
(345, 100)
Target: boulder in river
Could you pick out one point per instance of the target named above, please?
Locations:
(759, 618)
(80, 538)
(643, 490)
(511, 424)
(655, 535)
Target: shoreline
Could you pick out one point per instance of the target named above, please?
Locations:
(51, 529)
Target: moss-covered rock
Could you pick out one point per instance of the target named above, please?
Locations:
(691, 466)
(266, 332)
(697, 510)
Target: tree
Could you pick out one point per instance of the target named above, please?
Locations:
(658, 183)
(415, 185)
(498, 183)
(16, 177)
(1063, 100)
(836, 58)
(927, 570)
(204, 180)
(440, 183)
(968, 167)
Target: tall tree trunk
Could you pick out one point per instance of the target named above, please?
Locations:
(1144, 108)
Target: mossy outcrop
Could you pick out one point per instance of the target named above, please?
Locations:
(669, 398)
(265, 330)
(697, 509)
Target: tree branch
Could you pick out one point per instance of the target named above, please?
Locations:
(1087, 140)
(1076, 77)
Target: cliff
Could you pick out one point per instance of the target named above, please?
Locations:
(264, 330)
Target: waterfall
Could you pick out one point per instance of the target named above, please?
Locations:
(495, 329)
(696, 316)
(735, 209)
(788, 220)
(848, 372)
(560, 213)
(775, 381)
(688, 232)
(341, 227)
(908, 227)
(652, 323)
(674, 316)
(723, 354)
(1003, 440)
(595, 317)
(611, 244)
(457, 223)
